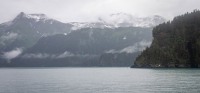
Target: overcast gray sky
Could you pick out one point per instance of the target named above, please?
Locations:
(89, 10)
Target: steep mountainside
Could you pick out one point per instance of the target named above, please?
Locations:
(26, 29)
(175, 44)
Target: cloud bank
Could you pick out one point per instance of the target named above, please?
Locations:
(12, 54)
(139, 46)
(55, 56)
(9, 37)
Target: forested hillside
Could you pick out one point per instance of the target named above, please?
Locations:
(175, 44)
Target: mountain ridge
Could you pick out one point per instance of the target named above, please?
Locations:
(121, 20)
(110, 21)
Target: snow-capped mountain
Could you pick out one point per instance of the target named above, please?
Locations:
(121, 20)
(37, 22)
(110, 21)
(35, 17)
(26, 29)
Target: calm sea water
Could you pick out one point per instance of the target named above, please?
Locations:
(99, 80)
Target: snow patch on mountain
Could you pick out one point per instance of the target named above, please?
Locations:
(37, 17)
(120, 20)
(79, 25)
(128, 20)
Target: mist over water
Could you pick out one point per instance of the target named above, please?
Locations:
(98, 80)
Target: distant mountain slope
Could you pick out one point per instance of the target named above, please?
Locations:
(92, 40)
(175, 44)
(87, 45)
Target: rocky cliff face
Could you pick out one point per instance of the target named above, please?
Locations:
(175, 44)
